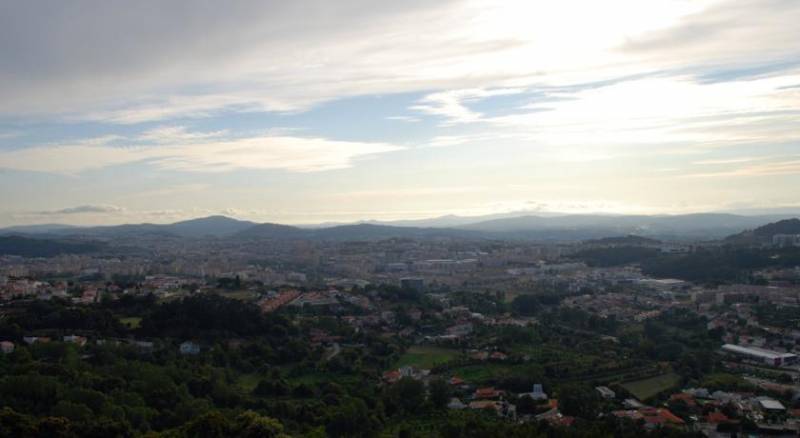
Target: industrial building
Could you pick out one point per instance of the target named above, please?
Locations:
(768, 357)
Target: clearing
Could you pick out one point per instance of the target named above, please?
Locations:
(426, 356)
(647, 388)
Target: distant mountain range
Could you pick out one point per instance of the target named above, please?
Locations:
(709, 226)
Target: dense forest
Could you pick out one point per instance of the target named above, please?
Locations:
(725, 264)
(30, 247)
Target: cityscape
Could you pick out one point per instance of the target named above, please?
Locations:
(623, 334)
(413, 219)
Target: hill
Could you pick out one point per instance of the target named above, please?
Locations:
(705, 226)
(209, 226)
(763, 234)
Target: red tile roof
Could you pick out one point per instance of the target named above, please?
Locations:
(717, 417)
(489, 392)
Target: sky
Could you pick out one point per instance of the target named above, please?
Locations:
(315, 111)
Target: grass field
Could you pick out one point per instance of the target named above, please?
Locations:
(426, 357)
(647, 388)
(248, 382)
(132, 321)
(484, 372)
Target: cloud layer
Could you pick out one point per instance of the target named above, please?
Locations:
(360, 106)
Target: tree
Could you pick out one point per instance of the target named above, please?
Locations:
(14, 424)
(210, 425)
(407, 394)
(74, 411)
(578, 400)
(252, 425)
(352, 418)
(438, 393)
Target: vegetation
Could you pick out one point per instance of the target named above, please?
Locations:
(646, 389)
(426, 356)
(29, 247)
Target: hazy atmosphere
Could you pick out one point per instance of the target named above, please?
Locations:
(115, 112)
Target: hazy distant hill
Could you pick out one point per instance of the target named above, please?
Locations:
(763, 234)
(709, 226)
(629, 240)
(35, 229)
(273, 231)
(28, 247)
(694, 226)
(352, 232)
(217, 226)
(373, 232)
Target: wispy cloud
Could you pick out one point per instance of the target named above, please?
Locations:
(197, 152)
(723, 161)
(657, 110)
(789, 167)
(81, 209)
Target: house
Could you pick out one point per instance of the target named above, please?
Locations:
(460, 330)
(75, 339)
(685, 397)
(189, 347)
(392, 376)
(652, 417)
(661, 417)
(455, 403)
(480, 355)
(456, 381)
(143, 345)
(498, 356)
(7, 347)
(606, 392)
(561, 420)
(503, 409)
(487, 393)
(632, 403)
(769, 405)
(484, 404)
(716, 417)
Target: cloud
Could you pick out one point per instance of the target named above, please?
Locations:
(452, 105)
(178, 149)
(726, 39)
(81, 209)
(129, 63)
(409, 192)
(409, 119)
(640, 112)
